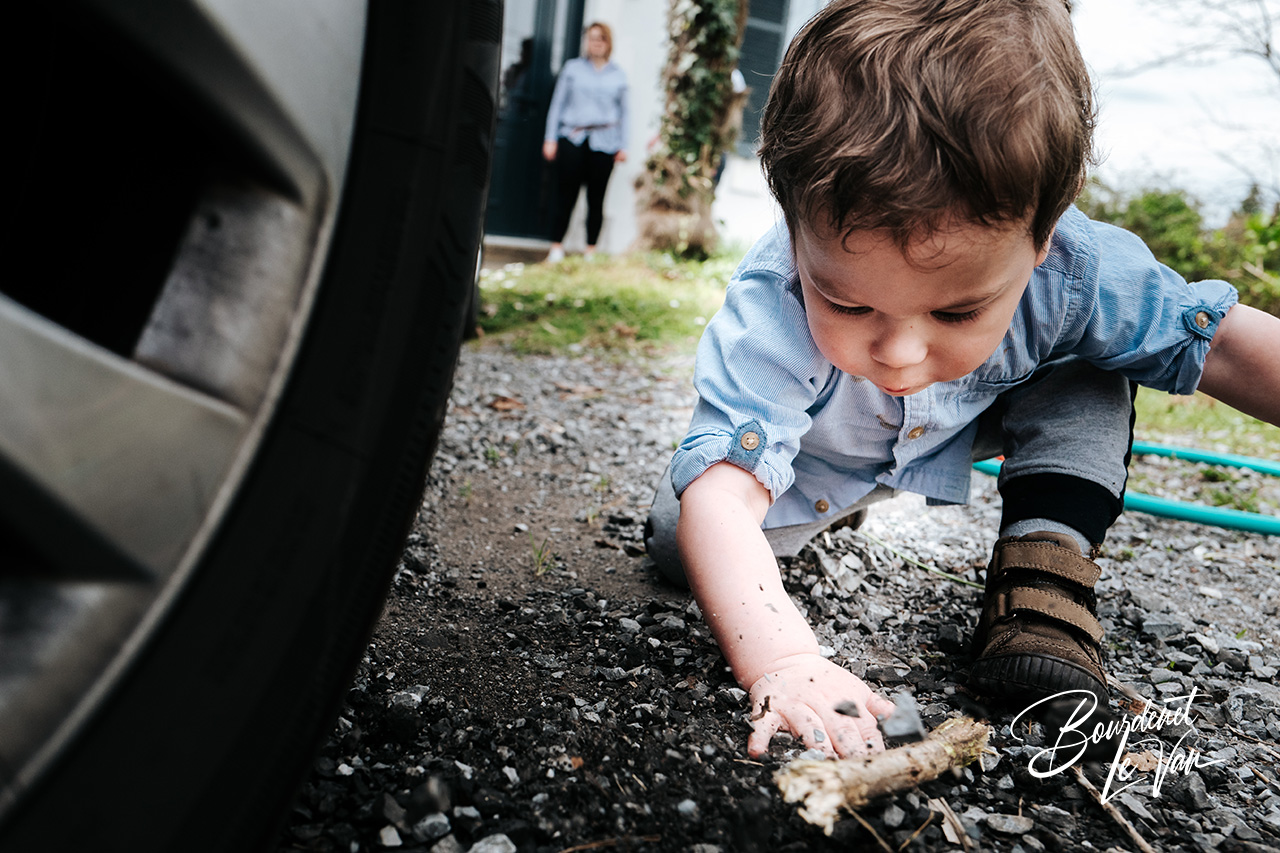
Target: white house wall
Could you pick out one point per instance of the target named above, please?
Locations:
(743, 204)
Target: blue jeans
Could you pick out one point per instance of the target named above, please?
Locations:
(1065, 433)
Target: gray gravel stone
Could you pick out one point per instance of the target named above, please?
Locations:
(448, 844)
(1136, 806)
(1259, 669)
(1191, 792)
(1030, 842)
(1162, 626)
(893, 816)
(1060, 819)
(1233, 658)
(904, 723)
(431, 827)
(1008, 824)
(498, 843)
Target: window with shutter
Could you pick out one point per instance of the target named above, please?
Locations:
(763, 44)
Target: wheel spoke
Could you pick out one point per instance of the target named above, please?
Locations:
(222, 321)
(282, 76)
(131, 460)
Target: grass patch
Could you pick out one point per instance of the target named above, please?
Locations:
(1202, 422)
(621, 302)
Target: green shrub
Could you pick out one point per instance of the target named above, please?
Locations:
(1246, 252)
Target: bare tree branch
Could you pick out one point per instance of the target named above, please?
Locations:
(1223, 28)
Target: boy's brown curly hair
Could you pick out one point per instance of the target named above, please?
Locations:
(907, 114)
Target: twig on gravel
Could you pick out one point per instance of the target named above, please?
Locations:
(826, 787)
(613, 842)
(916, 834)
(875, 540)
(884, 845)
(951, 821)
(1128, 691)
(1248, 737)
(1263, 777)
(1113, 812)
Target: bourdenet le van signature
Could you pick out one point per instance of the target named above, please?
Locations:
(1075, 736)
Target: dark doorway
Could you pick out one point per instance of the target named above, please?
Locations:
(538, 36)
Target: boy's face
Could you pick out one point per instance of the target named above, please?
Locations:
(906, 324)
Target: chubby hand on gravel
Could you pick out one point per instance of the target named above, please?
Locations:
(769, 645)
(815, 700)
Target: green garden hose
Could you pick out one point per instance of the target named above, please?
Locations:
(1231, 519)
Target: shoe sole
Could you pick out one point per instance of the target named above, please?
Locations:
(1032, 677)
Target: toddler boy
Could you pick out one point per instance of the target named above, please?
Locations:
(931, 298)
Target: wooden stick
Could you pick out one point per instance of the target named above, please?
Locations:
(952, 828)
(1113, 812)
(826, 787)
(1260, 775)
(914, 835)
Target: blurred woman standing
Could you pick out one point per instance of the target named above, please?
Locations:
(586, 134)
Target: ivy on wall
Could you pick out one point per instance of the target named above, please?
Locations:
(705, 36)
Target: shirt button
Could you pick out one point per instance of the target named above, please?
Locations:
(1202, 319)
(750, 441)
(821, 506)
(915, 432)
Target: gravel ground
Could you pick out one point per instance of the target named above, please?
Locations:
(533, 686)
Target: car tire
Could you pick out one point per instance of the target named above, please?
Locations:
(229, 681)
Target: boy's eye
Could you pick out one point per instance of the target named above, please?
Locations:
(851, 310)
(962, 317)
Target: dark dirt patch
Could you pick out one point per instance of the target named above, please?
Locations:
(587, 707)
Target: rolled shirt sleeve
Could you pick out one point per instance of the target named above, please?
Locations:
(1138, 317)
(758, 373)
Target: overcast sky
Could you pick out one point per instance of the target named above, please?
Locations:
(1169, 126)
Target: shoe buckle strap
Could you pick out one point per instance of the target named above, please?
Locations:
(1045, 557)
(1044, 603)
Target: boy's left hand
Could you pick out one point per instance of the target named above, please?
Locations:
(800, 694)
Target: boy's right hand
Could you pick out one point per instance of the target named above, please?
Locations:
(800, 694)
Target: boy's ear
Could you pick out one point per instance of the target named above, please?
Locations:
(1044, 251)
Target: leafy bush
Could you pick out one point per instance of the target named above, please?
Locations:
(1246, 252)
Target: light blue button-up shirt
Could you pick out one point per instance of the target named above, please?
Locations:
(591, 104)
(824, 434)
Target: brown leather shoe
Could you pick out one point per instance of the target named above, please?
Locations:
(1039, 632)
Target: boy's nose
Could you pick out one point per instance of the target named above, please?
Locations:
(898, 348)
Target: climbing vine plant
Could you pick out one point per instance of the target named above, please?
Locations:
(705, 38)
(697, 122)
